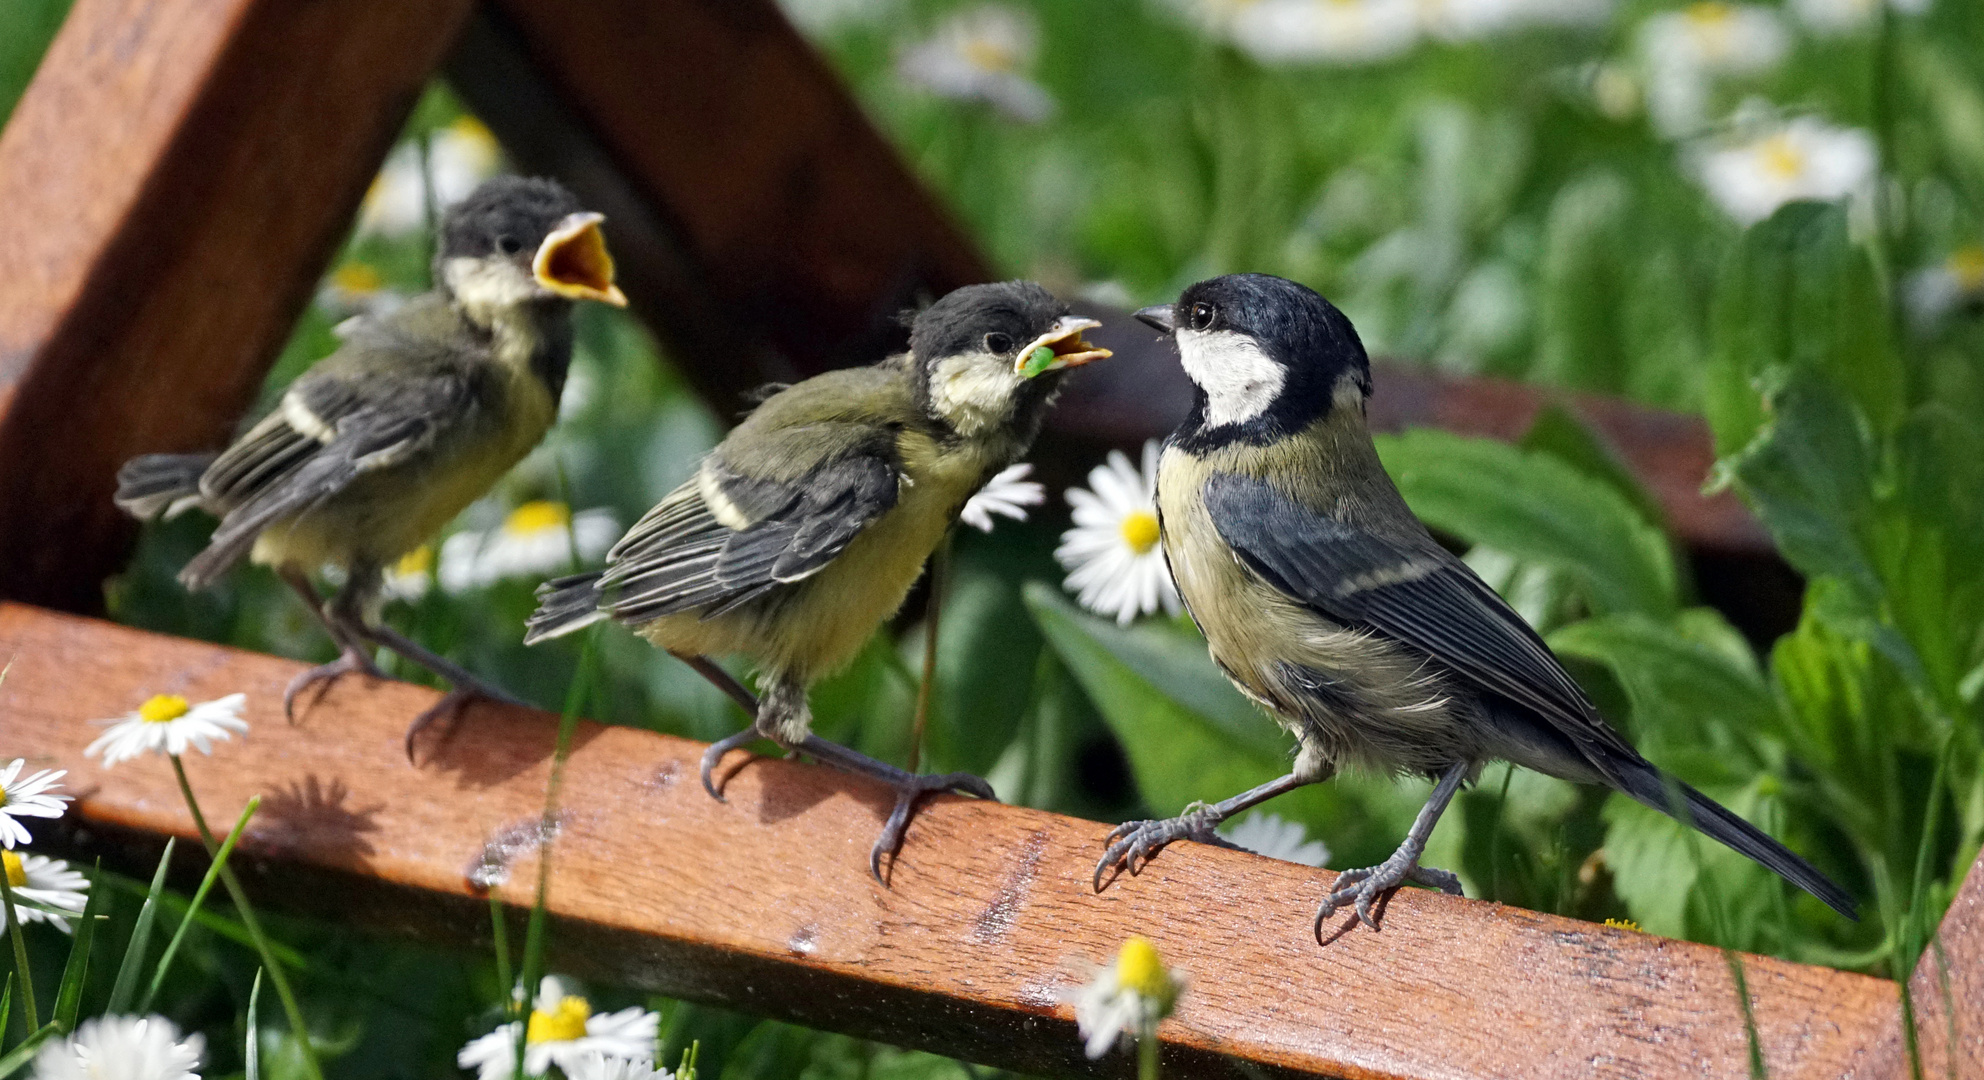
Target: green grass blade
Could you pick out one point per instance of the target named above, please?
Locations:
(20, 1055)
(141, 937)
(226, 927)
(199, 897)
(69, 995)
(6, 1007)
(9, 912)
(251, 1055)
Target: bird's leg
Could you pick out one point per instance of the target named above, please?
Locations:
(1361, 887)
(724, 681)
(352, 655)
(1135, 843)
(464, 686)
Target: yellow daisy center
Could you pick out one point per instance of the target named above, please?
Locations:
(475, 131)
(1780, 158)
(163, 708)
(1966, 265)
(357, 277)
(17, 875)
(1140, 530)
(989, 55)
(564, 1023)
(1622, 924)
(1710, 13)
(418, 561)
(1139, 970)
(537, 516)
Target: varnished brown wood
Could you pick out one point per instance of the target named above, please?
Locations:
(174, 180)
(766, 229)
(764, 903)
(1948, 995)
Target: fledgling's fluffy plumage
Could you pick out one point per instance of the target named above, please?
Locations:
(807, 526)
(1323, 597)
(418, 413)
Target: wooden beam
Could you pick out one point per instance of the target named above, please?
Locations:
(766, 230)
(1948, 995)
(764, 903)
(175, 179)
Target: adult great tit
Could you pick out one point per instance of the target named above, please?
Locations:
(1324, 599)
(419, 412)
(807, 525)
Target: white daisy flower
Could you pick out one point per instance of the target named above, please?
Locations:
(1935, 291)
(563, 1031)
(1831, 18)
(823, 18)
(412, 576)
(1115, 566)
(1685, 50)
(122, 1048)
(27, 796)
(461, 155)
(979, 54)
(1803, 159)
(1125, 1002)
(1326, 31)
(167, 724)
(356, 288)
(1007, 494)
(598, 1066)
(1277, 838)
(1466, 20)
(46, 881)
(534, 540)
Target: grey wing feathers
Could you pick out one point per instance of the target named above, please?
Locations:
(1416, 593)
(681, 558)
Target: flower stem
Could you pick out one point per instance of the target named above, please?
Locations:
(20, 951)
(254, 926)
(1147, 1057)
(933, 617)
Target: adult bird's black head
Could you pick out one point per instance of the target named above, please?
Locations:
(991, 356)
(1269, 357)
(518, 240)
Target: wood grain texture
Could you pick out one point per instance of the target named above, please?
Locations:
(175, 179)
(1948, 995)
(772, 232)
(764, 904)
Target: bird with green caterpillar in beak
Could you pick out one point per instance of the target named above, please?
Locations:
(416, 415)
(806, 527)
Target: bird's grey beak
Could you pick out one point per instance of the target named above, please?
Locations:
(1060, 347)
(1160, 317)
(573, 261)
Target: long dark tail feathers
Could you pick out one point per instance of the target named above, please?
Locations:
(1651, 787)
(160, 485)
(564, 605)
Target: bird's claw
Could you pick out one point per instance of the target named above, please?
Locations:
(448, 708)
(714, 756)
(348, 662)
(1361, 887)
(1134, 844)
(908, 792)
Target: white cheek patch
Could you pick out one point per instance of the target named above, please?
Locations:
(973, 393)
(486, 286)
(1240, 380)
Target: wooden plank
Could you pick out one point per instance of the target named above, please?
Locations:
(765, 229)
(1948, 994)
(175, 178)
(764, 903)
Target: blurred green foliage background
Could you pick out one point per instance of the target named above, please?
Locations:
(1599, 196)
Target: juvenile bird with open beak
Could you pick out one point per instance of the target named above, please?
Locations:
(1324, 599)
(420, 412)
(807, 525)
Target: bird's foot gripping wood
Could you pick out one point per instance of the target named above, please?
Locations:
(350, 661)
(1134, 844)
(1361, 887)
(910, 789)
(451, 704)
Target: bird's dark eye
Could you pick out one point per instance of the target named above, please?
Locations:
(998, 343)
(509, 245)
(1203, 316)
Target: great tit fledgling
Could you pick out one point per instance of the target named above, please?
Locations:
(416, 415)
(1325, 599)
(807, 525)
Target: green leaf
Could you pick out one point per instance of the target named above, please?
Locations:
(20, 1055)
(1558, 432)
(1583, 286)
(986, 654)
(1798, 293)
(141, 937)
(1690, 680)
(1653, 865)
(1538, 508)
(69, 994)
